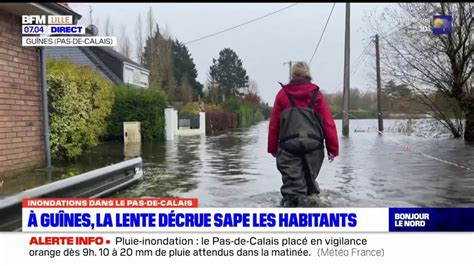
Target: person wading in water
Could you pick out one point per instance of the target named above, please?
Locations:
(301, 124)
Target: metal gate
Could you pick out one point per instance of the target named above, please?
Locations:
(188, 121)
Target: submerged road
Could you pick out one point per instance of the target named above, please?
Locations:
(234, 170)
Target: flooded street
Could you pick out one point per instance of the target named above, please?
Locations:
(234, 170)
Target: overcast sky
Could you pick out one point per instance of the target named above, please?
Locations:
(263, 45)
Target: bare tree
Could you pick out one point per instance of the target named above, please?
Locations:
(252, 88)
(158, 58)
(109, 27)
(150, 22)
(214, 91)
(166, 32)
(436, 67)
(139, 38)
(96, 23)
(124, 45)
(187, 93)
(165, 62)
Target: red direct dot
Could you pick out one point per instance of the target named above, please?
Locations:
(107, 241)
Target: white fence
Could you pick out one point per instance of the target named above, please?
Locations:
(172, 129)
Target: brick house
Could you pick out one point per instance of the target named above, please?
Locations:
(22, 120)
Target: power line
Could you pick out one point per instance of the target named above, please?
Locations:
(361, 58)
(322, 34)
(392, 31)
(396, 29)
(242, 24)
(363, 53)
(354, 71)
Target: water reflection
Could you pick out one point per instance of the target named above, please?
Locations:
(132, 150)
(234, 170)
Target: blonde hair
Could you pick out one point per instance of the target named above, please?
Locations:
(301, 69)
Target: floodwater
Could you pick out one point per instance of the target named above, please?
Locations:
(234, 170)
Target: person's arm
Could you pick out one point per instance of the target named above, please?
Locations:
(329, 127)
(274, 128)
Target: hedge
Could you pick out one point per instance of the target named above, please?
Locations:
(190, 109)
(135, 104)
(218, 121)
(248, 113)
(79, 102)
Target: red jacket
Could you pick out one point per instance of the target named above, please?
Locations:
(302, 89)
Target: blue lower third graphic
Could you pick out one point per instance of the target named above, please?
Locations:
(431, 219)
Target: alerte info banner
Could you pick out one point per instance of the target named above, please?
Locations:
(143, 231)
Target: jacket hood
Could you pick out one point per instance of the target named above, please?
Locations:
(300, 88)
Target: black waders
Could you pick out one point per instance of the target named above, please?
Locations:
(300, 153)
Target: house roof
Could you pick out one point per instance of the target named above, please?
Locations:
(112, 53)
(109, 61)
(39, 9)
(63, 8)
(65, 5)
(114, 77)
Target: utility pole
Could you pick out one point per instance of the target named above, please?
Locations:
(289, 71)
(379, 84)
(347, 46)
(290, 64)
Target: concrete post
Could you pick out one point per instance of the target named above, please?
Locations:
(202, 123)
(170, 124)
(175, 121)
(132, 132)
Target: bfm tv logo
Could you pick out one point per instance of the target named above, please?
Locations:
(42, 19)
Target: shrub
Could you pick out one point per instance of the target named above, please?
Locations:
(266, 110)
(364, 114)
(190, 109)
(210, 107)
(135, 104)
(79, 102)
(246, 114)
(218, 121)
(252, 98)
(259, 116)
(249, 113)
(232, 104)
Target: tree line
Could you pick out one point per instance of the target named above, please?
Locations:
(397, 98)
(172, 68)
(436, 69)
(230, 99)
